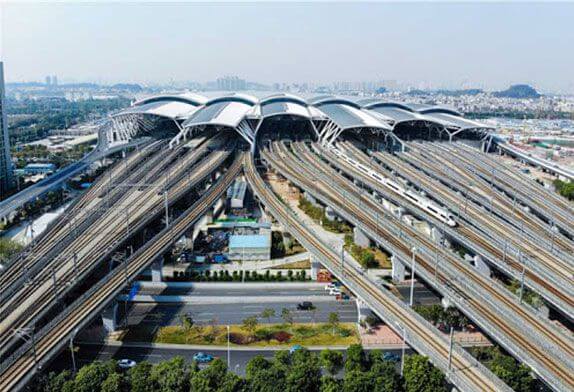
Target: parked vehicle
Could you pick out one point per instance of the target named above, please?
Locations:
(387, 356)
(219, 259)
(335, 291)
(126, 363)
(332, 285)
(305, 305)
(202, 357)
(296, 347)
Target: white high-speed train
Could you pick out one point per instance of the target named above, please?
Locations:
(432, 208)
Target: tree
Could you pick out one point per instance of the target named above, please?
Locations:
(287, 316)
(250, 324)
(332, 361)
(56, 381)
(282, 358)
(421, 376)
(170, 376)
(186, 324)
(357, 381)
(516, 376)
(305, 373)
(334, 320)
(139, 377)
(255, 365)
(267, 314)
(211, 378)
(8, 248)
(330, 384)
(91, 377)
(356, 358)
(232, 383)
(384, 376)
(114, 383)
(263, 376)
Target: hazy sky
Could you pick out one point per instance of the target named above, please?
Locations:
(487, 44)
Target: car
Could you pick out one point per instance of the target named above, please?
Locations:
(332, 285)
(202, 357)
(305, 305)
(335, 291)
(296, 347)
(126, 363)
(387, 356)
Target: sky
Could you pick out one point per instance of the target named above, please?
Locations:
(453, 45)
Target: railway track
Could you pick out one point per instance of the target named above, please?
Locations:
(503, 235)
(24, 308)
(508, 263)
(95, 205)
(466, 373)
(538, 356)
(19, 369)
(469, 181)
(558, 211)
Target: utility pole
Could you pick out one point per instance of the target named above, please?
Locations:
(414, 250)
(522, 282)
(403, 351)
(343, 259)
(165, 201)
(55, 284)
(74, 368)
(75, 261)
(450, 348)
(553, 230)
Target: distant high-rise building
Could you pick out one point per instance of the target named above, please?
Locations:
(6, 180)
(232, 83)
(54, 80)
(48, 80)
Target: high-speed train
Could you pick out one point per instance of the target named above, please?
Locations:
(432, 208)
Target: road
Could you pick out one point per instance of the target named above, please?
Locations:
(169, 314)
(87, 353)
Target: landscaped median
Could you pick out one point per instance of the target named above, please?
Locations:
(319, 334)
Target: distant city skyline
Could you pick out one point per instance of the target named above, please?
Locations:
(448, 45)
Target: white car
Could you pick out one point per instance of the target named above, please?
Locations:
(335, 291)
(330, 286)
(126, 363)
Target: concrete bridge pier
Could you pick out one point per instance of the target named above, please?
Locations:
(481, 266)
(363, 310)
(156, 270)
(436, 235)
(315, 267)
(398, 270)
(110, 317)
(360, 238)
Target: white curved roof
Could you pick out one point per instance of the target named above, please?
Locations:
(348, 116)
(223, 112)
(190, 98)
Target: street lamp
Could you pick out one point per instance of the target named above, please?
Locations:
(414, 250)
(228, 350)
(72, 350)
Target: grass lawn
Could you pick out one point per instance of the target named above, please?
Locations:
(264, 335)
(303, 264)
